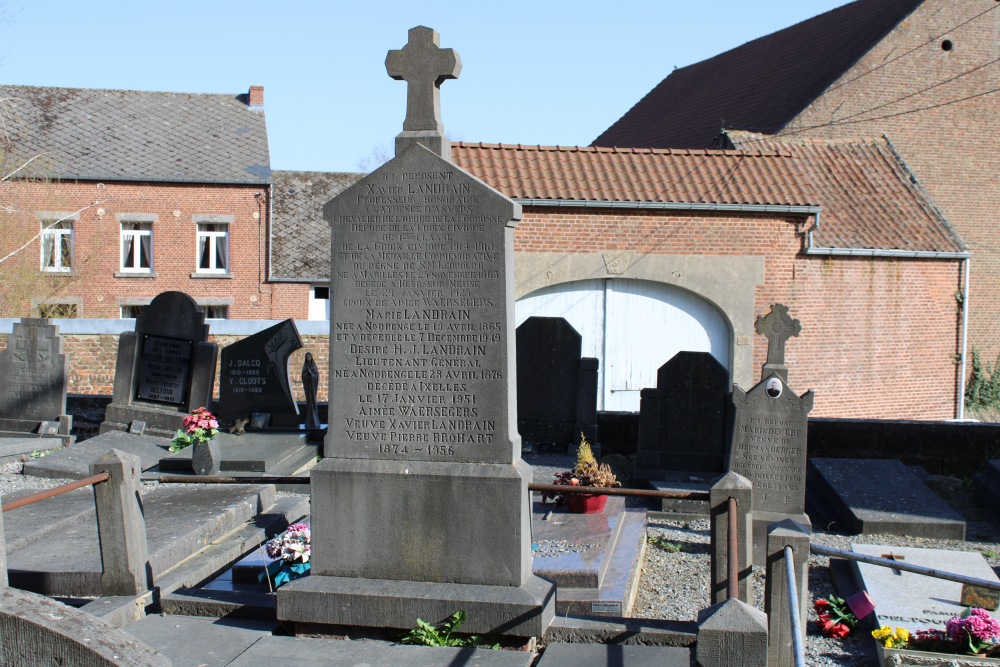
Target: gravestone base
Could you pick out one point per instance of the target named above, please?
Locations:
(390, 539)
(515, 611)
(163, 422)
(686, 509)
(269, 453)
(762, 520)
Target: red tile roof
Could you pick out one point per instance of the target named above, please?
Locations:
(759, 86)
(868, 197)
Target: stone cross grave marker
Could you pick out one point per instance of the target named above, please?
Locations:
(422, 484)
(777, 326)
(768, 444)
(34, 371)
(424, 65)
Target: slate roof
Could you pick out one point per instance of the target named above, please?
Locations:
(300, 237)
(129, 135)
(869, 199)
(760, 86)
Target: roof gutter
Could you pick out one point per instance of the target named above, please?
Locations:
(670, 206)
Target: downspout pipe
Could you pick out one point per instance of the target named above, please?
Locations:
(964, 256)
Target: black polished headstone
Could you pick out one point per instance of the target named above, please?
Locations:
(34, 372)
(254, 376)
(686, 421)
(556, 388)
(165, 368)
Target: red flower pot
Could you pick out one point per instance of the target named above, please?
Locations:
(585, 503)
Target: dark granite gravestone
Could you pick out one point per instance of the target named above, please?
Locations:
(685, 422)
(421, 505)
(34, 371)
(165, 369)
(768, 446)
(255, 377)
(556, 388)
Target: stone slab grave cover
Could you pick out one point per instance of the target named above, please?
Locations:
(556, 387)
(165, 368)
(914, 601)
(254, 376)
(421, 505)
(768, 445)
(34, 371)
(685, 422)
(876, 496)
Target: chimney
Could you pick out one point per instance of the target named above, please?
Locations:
(255, 100)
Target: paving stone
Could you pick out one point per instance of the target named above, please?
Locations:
(598, 655)
(189, 640)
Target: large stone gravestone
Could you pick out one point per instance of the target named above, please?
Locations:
(165, 368)
(768, 445)
(556, 387)
(255, 376)
(421, 506)
(685, 422)
(34, 371)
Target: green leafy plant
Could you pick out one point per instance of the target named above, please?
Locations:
(39, 454)
(983, 389)
(442, 634)
(663, 543)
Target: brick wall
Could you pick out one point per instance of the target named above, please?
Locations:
(951, 148)
(879, 336)
(176, 208)
(92, 362)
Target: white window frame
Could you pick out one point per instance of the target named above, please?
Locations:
(209, 236)
(57, 237)
(140, 230)
(206, 309)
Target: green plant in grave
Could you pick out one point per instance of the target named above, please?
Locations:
(441, 634)
(983, 388)
(663, 543)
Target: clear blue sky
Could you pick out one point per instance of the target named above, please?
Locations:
(539, 72)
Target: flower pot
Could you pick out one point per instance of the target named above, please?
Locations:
(206, 457)
(585, 503)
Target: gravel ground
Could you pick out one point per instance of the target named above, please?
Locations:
(675, 579)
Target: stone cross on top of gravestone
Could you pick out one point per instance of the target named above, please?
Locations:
(424, 65)
(777, 326)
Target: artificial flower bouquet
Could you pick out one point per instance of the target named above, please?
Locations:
(835, 617)
(199, 426)
(586, 472)
(974, 632)
(291, 551)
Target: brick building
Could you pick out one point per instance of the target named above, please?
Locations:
(647, 252)
(115, 196)
(924, 73)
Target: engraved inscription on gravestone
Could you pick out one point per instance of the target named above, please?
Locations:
(255, 375)
(33, 368)
(419, 346)
(164, 369)
(769, 444)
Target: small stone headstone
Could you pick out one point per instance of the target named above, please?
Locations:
(769, 444)
(685, 422)
(34, 371)
(165, 368)
(555, 387)
(777, 326)
(254, 375)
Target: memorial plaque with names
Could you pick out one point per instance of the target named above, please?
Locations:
(420, 349)
(164, 369)
(769, 444)
(254, 373)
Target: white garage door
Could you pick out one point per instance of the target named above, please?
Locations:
(633, 327)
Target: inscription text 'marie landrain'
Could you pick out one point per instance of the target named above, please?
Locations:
(419, 318)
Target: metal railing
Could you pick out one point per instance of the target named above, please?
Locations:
(821, 550)
(798, 648)
(56, 491)
(732, 554)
